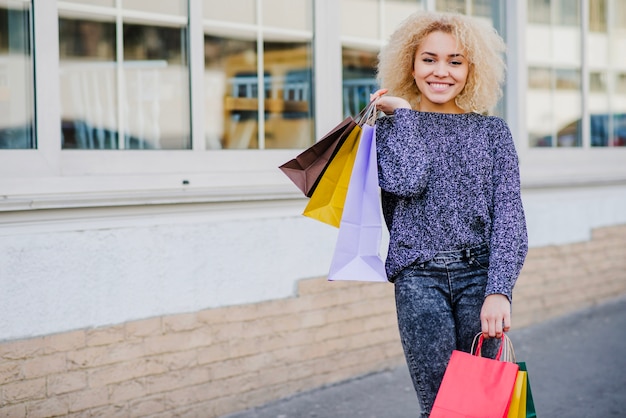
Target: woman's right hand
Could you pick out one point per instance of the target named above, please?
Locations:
(388, 104)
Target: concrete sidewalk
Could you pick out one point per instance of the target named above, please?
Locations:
(577, 368)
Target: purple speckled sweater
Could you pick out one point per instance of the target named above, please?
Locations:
(451, 181)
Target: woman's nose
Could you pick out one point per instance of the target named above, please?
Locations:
(441, 70)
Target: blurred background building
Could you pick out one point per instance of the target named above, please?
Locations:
(153, 259)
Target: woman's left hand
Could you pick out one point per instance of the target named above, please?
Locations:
(495, 316)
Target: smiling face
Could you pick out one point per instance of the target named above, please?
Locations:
(440, 72)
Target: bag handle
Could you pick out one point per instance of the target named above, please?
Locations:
(367, 115)
(506, 352)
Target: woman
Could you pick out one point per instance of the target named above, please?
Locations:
(450, 191)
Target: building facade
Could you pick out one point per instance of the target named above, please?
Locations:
(153, 259)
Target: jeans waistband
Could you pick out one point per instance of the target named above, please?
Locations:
(464, 254)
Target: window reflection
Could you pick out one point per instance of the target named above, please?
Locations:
(567, 13)
(156, 93)
(597, 15)
(88, 84)
(539, 11)
(286, 90)
(289, 95)
(16, 77)
(137, 98)
(359, 79)
(236, 89)
(451, 6)
(230, 79)
(554, 104)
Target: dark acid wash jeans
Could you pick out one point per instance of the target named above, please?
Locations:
(438, 305)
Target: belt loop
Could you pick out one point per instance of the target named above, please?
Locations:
(467, 253)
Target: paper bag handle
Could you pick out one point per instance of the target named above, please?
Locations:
(506, 346)
(367, 114)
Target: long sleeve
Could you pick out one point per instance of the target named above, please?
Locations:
(509, 238)
(451, 181)
(403, 166)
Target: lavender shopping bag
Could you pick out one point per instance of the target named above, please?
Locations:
(357, 252)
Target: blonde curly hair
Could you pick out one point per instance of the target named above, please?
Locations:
(481, 44)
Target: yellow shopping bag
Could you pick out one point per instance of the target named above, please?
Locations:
(326, 203)
(518, 400)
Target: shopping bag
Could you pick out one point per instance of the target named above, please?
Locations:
(327, 201)
(518, 399)
(306, 169)
(530, 403)
(475, 387)
(357, 251)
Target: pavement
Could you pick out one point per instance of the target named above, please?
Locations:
(576, 365)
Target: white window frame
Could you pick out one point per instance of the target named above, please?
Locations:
(555, 167)
(48, 177)
(56, 178)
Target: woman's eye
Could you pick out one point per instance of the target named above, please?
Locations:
(456, 63)
(428, 60)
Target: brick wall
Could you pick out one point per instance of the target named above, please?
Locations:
(213, 362)
(558, 279)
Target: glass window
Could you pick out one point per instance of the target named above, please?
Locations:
(597, 15)
(288, 14)
(16, 76)
(360, 19)
(395, 12)
(597, 82)
(451, 6)
(567, 12)
(137, 98)
(554, 97)
(567, 79)
(540, 78)
(236, 90)
(620, 83)
(166, 7)
(156, 87)
(359, 79)
(619, 9)
(89, 95)
(539, 11)
(106, 3)
(234, 11)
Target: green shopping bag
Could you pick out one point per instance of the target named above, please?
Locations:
(530, 404)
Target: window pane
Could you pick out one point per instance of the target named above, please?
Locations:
(156, 94)
(148, 108)
(359, 79)
(396, 11)
(539, 11)
(540, 78)
(567, 79)
(568, 107)
(169, 7)
(238, 11)
(105, 3)
(451, 6)
(88, 83)
(288, 95)
(597, 83)
(483, 8)
(597, 15)
(288, 14)
(554, 97)
(231, 91)
(619, 8)
(16, 77)
(367, 25)
(568, 12)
